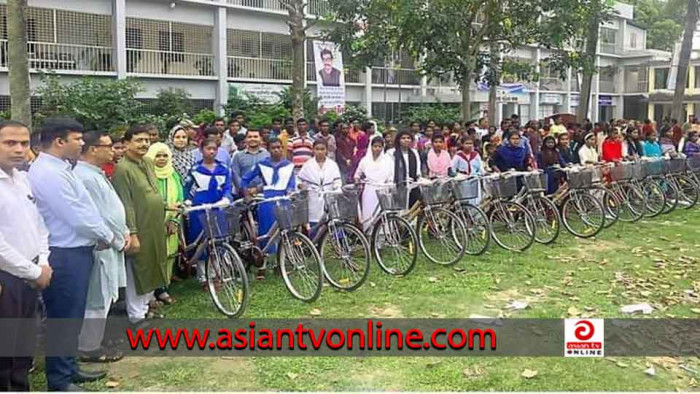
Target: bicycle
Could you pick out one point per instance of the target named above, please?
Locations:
(297, 257)
(464, 191)
(632, 199)
(582, 214)
(544, 211)
(393, 240)
(602, 194)
(512, 225)
(654, 194)
(442, 236)
(688, 193)
(655, 171)
(343, 247)
(227, 281)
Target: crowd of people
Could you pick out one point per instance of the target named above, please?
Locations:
(85, 213)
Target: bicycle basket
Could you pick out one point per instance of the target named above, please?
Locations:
(214, 222)
(503, 187)
(637, 171)
(580, 179)
(292, 213)
(436, 193)
(675, 166)
(466, 189)
(342, 206)
(655, 167)
(535, 182)
(693, 163)
(622, 172)
(393, 198)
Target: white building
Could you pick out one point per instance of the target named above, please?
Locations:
(204, 46)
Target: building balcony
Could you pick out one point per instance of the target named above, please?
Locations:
(552, 84)
(607, 86)
(63, 57)
(273, 5)
(145, 61)
(395, 76)
(248, 68)
(610, 48)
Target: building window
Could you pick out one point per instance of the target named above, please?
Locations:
(660, 78)
(633, 40)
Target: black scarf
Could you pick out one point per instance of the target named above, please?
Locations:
(399, 166)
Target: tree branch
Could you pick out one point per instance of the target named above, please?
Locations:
(312, 23)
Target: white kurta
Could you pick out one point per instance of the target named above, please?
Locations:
(326, 177)
(377, 171)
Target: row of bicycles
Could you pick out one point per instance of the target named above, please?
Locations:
(442, 219)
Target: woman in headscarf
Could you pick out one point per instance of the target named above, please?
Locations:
(549, 157)
(319, 173)
(375, 168)
(668, 147)
(511, 155)
(361, 146)
(564, 147)
(632, 146)
(182, 152)
(170, 188)
(406, 163)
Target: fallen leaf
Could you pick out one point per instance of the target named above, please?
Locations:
(529, 373)
(432, 279)
(112, 384)
(315, 312)
(695, 310)
(622, 364)
(372, 284)
(643, 307)
(650, 371)
(572, 311)
(517, 305)
(292, 375)
(472, 372)
(433, 364)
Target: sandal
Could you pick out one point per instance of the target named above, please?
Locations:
(101, 355)
(165, 298)
(154, 304)
(260, 275)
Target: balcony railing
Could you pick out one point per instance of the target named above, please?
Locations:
(261, 4)
(552, 84)
(351, 76)
(607, 86)
(319, 7)
(146, 61)
(395, 76)
(59, 57)
(255, 68)
(610, 48)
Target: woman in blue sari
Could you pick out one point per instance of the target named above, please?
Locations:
(277, 179)
(208, 182)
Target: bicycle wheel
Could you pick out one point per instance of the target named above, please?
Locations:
(512, 226)
(478, 228)
(670, 193)
(688, 196)
(394, 245)
(227, 280)
(441, 236)
(583, 215)
(656, 200)
(610, 203)
(633, 202)
(546, 216)
(301, 266)
(345, 253)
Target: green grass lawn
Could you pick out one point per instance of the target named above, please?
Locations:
(652, 261)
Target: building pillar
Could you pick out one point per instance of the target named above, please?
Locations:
(651, 77)
(691, 111)
(119, 37)
(535, 111)
(691, 77)
(368, 91)
(650, 111)
(620, 88)
(221, 60)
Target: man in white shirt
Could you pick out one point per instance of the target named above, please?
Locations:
(24, 254)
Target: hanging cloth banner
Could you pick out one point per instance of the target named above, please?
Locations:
(330, 78)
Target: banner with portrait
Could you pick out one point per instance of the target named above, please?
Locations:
(330, 77)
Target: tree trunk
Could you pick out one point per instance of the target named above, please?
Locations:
(18, 62)
(493, 85)
(686, 47)
(588, 72)
(464, 87)
(298, 34)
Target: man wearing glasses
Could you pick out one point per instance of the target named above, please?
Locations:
(108, 272)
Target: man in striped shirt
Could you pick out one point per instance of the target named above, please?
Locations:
(301, 147)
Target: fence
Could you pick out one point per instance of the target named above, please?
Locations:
(145, 61)
(51, 56)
